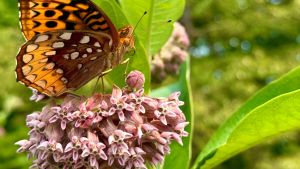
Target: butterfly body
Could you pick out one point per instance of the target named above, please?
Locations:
(58, 57)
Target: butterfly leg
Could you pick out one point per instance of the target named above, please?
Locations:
(102, 80)
(126, 61)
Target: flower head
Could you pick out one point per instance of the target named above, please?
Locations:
(124, 129)
(171, 56)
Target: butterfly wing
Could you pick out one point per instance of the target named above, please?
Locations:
(39, 16)
(55, 62)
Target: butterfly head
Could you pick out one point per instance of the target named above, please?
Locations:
(126, 38)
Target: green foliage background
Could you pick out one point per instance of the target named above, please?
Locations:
(237, 47)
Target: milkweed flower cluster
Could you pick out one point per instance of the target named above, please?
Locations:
(124, 129)
(171, 56)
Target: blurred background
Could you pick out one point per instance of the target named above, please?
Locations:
(238, 47)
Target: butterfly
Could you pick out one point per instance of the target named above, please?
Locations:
(69, 42)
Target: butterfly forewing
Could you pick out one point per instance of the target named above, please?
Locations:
(69, 43)
(55, 62)
(39, 16)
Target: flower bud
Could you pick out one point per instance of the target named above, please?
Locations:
(135, 79)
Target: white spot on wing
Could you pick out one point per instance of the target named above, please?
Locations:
(26, 70)
(58, 45)
(31, 78)
(66, 56)
(50, 53)
(50, 66)
(41, 38)
(89, 50)
(66, 36)
(74, 55)
(43, 60)
(31, 4)
(31, 47)
(51, 89)
(41, 83)
(97, 44)
(84, 55)
(94, 58)
(99, 50)
(85, 39)
(27, 58)
(59, 71)
(64, 80)
(79, 66)
(33, 13)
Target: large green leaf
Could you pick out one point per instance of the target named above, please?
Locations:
(154, 29)
(273, 110)
(139, 61)
(180, 155)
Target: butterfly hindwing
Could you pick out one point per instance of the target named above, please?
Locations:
(39, 16)
(54, 62)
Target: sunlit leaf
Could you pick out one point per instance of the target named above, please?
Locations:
(155, 27)
(272, 111)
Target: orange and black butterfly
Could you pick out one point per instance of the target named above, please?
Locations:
(69, 43)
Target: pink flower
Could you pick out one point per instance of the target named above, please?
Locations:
(51, 147)
(163, 111)
(75, 146)
(63, 114)
(119, 104)
(136, 159)
(94, 151)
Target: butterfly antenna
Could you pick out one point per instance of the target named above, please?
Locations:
(136, 25)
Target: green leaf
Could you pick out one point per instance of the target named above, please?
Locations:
(272, 111)
(139, 61)
(180, 155)
(154, 28)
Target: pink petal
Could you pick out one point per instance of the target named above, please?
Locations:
(101, 145)
(163, 120)
(129, 107)
(85, 153)
(53, 119)
(63, 124)
(75, 155)
(111, 160)
(142, 109)
(111, 139)
(138, 150)
(140, 92)
(21, 142)
(171, 114)
(104, 105)
(157, 113)
(112, 111)
(148, 127)
(59, 148)
(116, 93)
(103, 155)
(181, 126)
(56, 157)
(121, 115)
(43, 145)
(93, 161)
(174, 96)
(139, 132)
